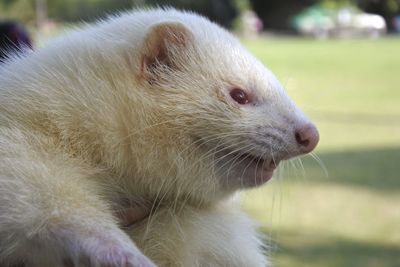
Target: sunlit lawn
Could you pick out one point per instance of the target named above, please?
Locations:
(348, 216)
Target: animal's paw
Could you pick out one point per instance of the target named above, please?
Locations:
(114, 252)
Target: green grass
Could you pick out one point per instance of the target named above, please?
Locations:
(349, 216)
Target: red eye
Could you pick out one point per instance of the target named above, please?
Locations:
(239, 96)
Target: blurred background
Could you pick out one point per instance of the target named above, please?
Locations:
(340, 61)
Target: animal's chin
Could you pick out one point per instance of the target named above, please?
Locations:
(245, 170)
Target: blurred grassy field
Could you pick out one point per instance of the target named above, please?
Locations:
(348, 216)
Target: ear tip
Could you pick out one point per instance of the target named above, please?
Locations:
(175, 32)
(162, 37)
(170, 27)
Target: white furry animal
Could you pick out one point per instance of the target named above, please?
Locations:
(155, 110)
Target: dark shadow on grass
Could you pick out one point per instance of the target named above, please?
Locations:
(377, 169)
(316, 249)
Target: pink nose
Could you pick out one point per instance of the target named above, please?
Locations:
(307, 137)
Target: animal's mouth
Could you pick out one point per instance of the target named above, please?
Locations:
(236, 168)
(245, 169)
(259, 162)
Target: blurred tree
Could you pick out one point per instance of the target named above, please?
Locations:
(85, 10)
(20, 10)
(386, 8)
(243, 5)
(220, 11)
(276, 14)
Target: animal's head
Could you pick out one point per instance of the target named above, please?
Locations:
(220, 120)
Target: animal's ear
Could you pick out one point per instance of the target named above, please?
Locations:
(162, 42)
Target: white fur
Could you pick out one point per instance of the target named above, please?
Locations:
(217, 237)
(88, 126)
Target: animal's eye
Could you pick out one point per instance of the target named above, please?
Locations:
(239, 96)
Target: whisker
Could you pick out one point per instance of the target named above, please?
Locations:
(320, 163)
